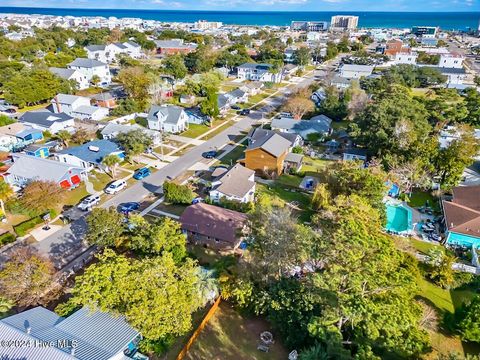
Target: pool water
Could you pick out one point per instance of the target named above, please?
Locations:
(398, 218)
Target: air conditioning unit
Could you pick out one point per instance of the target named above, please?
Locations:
(94, 148)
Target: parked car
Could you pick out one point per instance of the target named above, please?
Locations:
(209, 154)
(141, 173)
(244, 112)
(115, 187)
(197, 200)
(235, 107)
(129, 207)
(89, 202)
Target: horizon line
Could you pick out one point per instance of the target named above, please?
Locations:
(341, 12)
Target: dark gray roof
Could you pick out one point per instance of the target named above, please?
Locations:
(133, 44)
(44, 118)
(106, 147)
(99, 335)
(95, 47)
(257, 133)
(270, 141)
(103, 96)
(237, 93)
(61, 72)
(294, 158)
(172, 113)
(222, 101)
(120, 45)
(86, 63)
(356, 151)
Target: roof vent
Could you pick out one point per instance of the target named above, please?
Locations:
(94, 148)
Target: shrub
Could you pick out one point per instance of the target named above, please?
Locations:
(7, 238)
(177, 194)
(23, 228)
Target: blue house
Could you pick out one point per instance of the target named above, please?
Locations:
(37, 150)
(462, 217)
(90, 155)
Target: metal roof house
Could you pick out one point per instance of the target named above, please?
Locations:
(172, 119)
(27, 168)
(320, 124)
(90, 155)
(84, 335)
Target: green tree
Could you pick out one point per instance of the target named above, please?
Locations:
(42, 196)
(451, 161)
(26, 278)
(321, 197)
(6, 120)
(440, 268)
(174, 65)
(177, 194)
(134, 142)
(302, 56)
(163, 235)
(105, 228)
(95, 80)
(5, 305)
(467, 320)
(111, 162)
(137, 289)
(472, 103)
(208, 287)
(64, 136)
(476, 80)
(209, 106)
(136, 83)
(6, 192)
(82, 135)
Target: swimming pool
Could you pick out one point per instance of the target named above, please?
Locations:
(399, 218)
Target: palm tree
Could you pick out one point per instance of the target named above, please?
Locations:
(64, 136)
(5, 305)
(207, 285)
(6, 192)
(111, 162)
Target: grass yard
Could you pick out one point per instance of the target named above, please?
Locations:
(32, 107)
(171, 208)
(217, 131)
(419, 199)
(100, 180)
(232, 157)
(289, 180)
(184, 150)
(228, 335)
(424, 247)
(74, 196)
(313, 166)
(286, 196)
(195, 130)
(206, 257)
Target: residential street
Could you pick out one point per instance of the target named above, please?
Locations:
(66, 244)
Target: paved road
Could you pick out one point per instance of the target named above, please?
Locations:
(66, 244)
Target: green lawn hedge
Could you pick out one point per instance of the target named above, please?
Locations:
(23, 228)
(7, 238)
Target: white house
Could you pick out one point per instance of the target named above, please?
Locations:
(355, 154)
(112, 130)
(172, 119)
(71, 74)
(350, 71)
(79, 107)
(237, 184)
(451, 60)
(405, 58)
(90, 68)
(258, 72)
(108, 53)
(48, 121)
(237, 96)
(456, 76)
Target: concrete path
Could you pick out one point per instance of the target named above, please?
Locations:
(39, 234)
(186, 140)
(89, 187)
(163, 213)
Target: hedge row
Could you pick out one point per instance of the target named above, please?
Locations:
(7, 238)
(23, 228)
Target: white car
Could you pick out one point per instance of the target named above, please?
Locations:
(115, 187)
(89, 202)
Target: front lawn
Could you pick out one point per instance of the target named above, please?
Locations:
(313, 166)
(289, 180)
(74, 196)
(424, 247)
(195, 130)
(236, 153)
(229, 335)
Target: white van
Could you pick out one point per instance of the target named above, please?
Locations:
(115, 187)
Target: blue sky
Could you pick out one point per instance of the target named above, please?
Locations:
(258, 5)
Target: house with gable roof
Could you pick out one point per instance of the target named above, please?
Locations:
(167, 118)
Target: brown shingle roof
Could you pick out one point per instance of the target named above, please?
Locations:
(462, 214)
(214, 221)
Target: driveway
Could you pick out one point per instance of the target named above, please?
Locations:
(66, 244)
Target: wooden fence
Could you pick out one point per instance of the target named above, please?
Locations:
(199, 329)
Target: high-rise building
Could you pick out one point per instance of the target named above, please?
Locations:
(344, 22)
(309, 25)
(207, 25)
(425, 31)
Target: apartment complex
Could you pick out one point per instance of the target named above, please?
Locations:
(344, 22)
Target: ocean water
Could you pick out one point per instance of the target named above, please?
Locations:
(447, 21)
